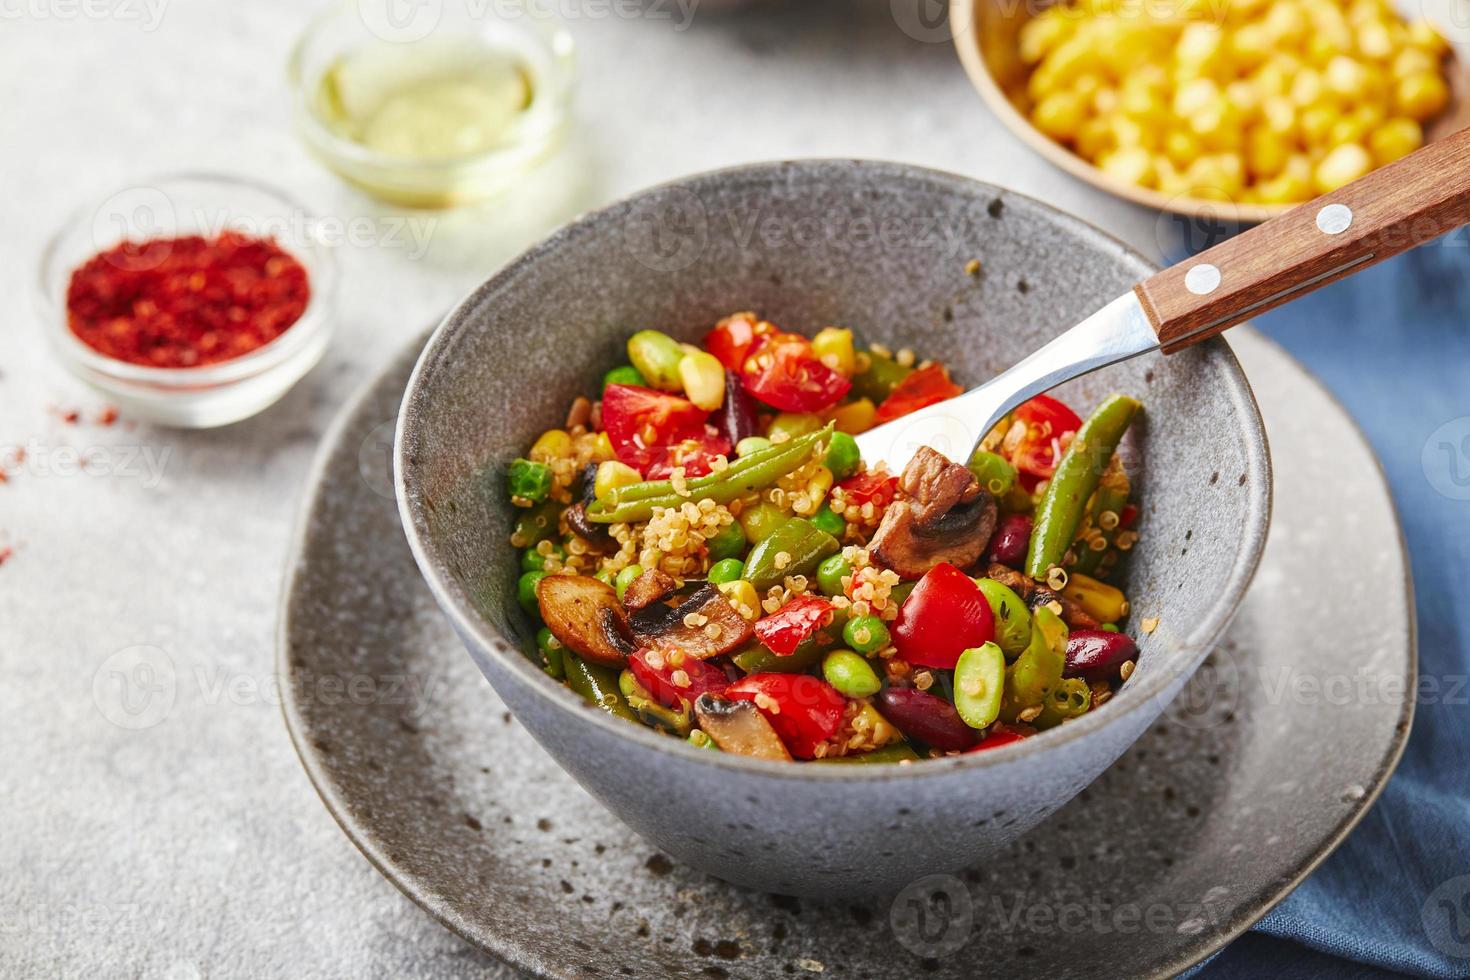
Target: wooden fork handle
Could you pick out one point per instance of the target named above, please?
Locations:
(1410, 201)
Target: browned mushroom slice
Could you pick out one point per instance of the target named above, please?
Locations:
(739, 727)
(650, 587)
(944, 516)
(584, 614)
(704, 625)
(596, 536)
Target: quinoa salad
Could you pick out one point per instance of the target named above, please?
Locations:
(704, 552)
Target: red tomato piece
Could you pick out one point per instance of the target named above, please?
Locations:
(782, 371)
(785, 629)
(944, 616)
(640, 422)
(697, 456)
(1129, 515)
(659, 681)
(922, 388)
(869, 487)
(996, 739)
(731, 339)
(1047, 421)
(804, 710)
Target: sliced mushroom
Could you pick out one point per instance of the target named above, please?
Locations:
(942, 516)
(650, 587)
(597, 537)
(704, 625)
(739, 727)
(1035, 594)
(584, 614)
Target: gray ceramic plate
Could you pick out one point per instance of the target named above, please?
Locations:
(1242, 787)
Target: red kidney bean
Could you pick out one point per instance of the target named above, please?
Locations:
(735, 419)
(1097, 654)
(1008, 543)
(925, 718)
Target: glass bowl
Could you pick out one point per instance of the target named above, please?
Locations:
(353, 54)
(172, 206)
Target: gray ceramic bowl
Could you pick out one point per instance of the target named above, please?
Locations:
(884, 249)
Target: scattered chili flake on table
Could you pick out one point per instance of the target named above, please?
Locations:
(186, 302)
(5, 554)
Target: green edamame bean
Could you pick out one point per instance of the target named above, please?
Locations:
(726, 570)
(842, 456)
(993, 473)
(526, 592)
(656, 356)
(759, 521)
(1012, 618)
(625, 578)
(828, 520)
(729, 543)
(865, 634)
(751, 444)
(831, 572)
(850, 674)
(627, 374)
(979, 685)
(794, 424)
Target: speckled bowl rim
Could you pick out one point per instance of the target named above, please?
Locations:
(468, 622)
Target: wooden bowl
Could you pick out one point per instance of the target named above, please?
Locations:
(986, 34)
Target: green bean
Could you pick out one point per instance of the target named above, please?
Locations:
(1039, 668)
(1060, 509)
(897, 752)
(756, 659)
(993, 473)
(1012, 618)
(551, 651)
(637, 501)
(843, 456)
(726, 570)
(537, 524)
(801, 543)
(649, 710)
(657, 356)
(597, 685)
(526, 592)
(853, 676)
(1069, 699)
(881, 377)
(729, 543)
(528, 480)
(831, 572)
(1112, 495)
(625, 578)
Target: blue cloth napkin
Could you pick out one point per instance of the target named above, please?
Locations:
(1393, 344)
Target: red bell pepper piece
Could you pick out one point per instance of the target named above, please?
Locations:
(659, 681)
(1047, 420)
(944, 616)
(731, 339)
(785, 629)
(804, 710)
(782, 371)
(996, 739)
(877, 488)
(920, 389)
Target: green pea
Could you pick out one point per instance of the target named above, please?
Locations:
(751, 444)
(831, 522)
(865, 634)
(993, 473)
(795, 424)
(979, 683)
(729, 543)
(625, 578)
(657, 356)
(726, 570)
(528, 480)
(627, 374)
(1012, 618)
(550, 648)
(534, 561)
(759, 521)
(831, 572)
(526, 592)
(850, 674)
(842, 456)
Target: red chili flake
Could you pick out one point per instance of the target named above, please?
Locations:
(5, 554)
(71, 416)
(186, 302)
(4, 476)
(107, 416)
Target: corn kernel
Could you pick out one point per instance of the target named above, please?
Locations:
(612, 474)
(1059, 115)
(1346, 78)
(553, 444)
(833, 347)
(1266, 152)
(1413, 61)
(742, 596)
(1307, 88)
(1394, 139)
(1132, 164)
(1041, 34)
(1421, 96)
(703, 377)
(1343, 165)
(1374, 40)
(1423, 34)
(1181, 147)
(854, 417)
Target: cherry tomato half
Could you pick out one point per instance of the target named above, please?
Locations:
(782, 371)
(944, 616)
(642, 425)
(785, 629)
(804, 710)
(1047, 420)
(659, 681)
(869, 487)
(731, 339)
(924, 387)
